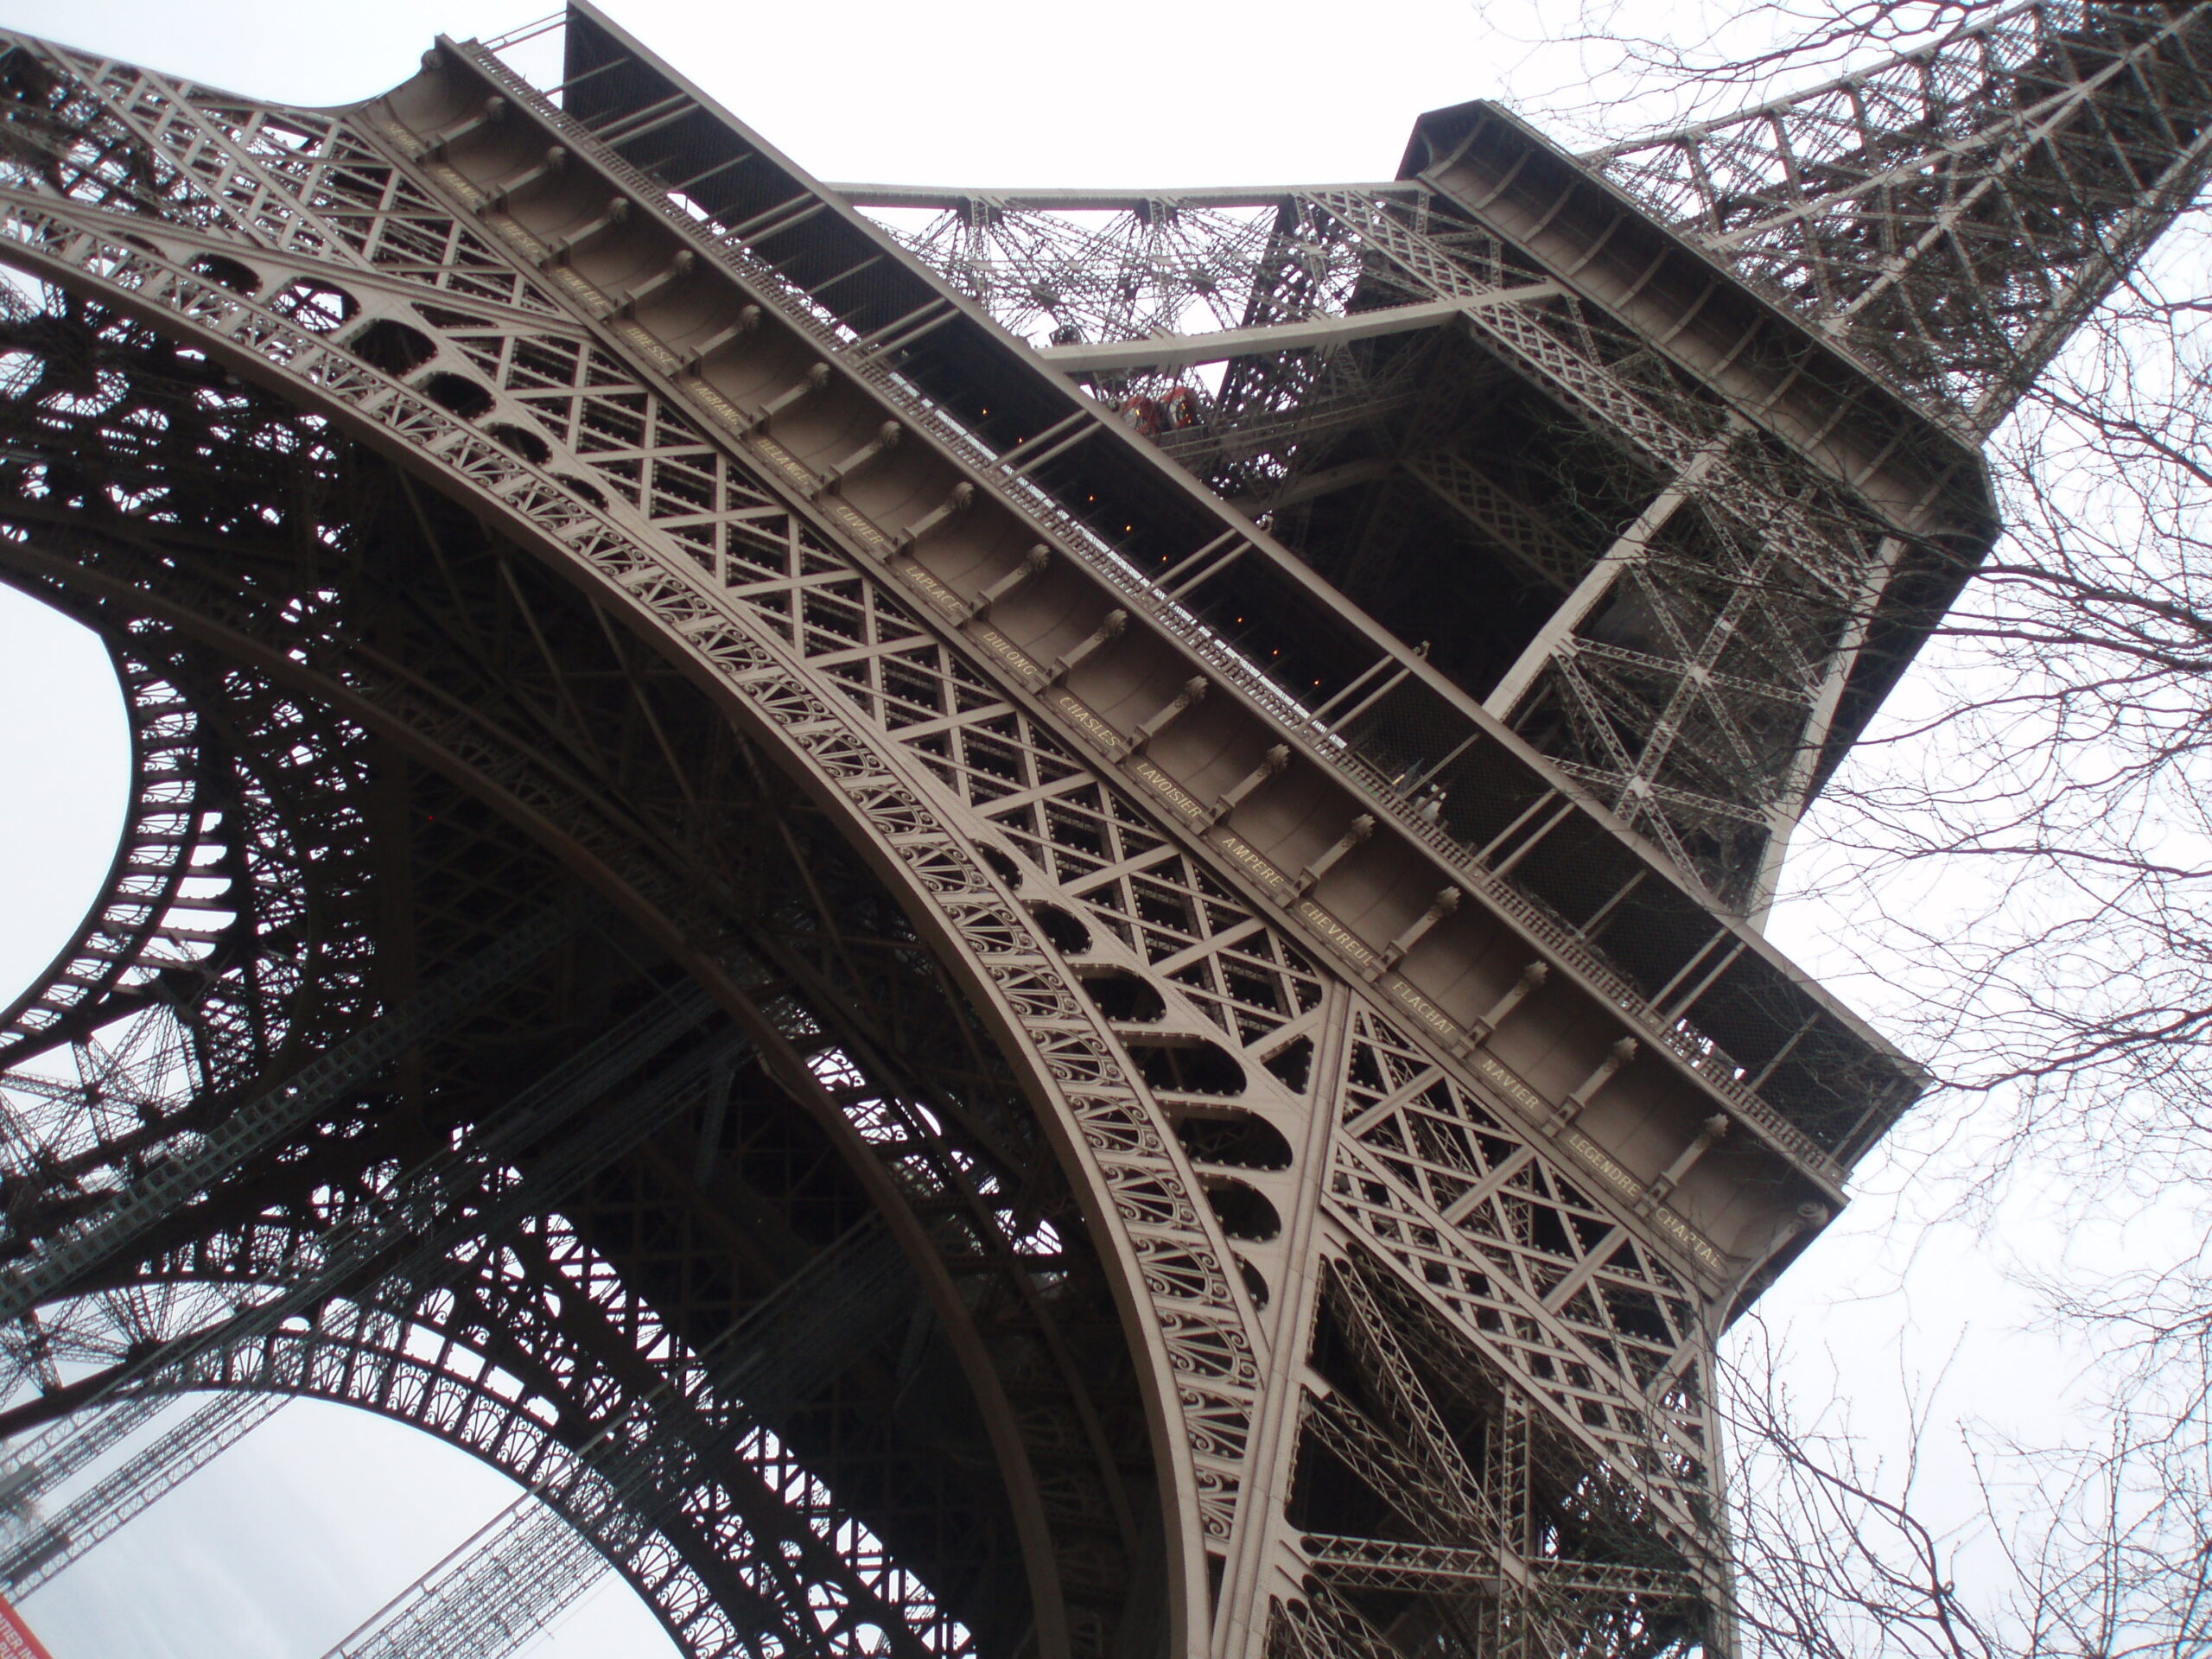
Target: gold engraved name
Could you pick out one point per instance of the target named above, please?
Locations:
(783, 461)
(857, 522)
(1248, 858)
(410, 145)
(1690, 1239)
(460, 186)
(1359, 951)
(644, 342)
(940, 595)
(1424, 1010)
(717, 405)
(1631, 1189)
(1595, 1155)
(1599, 1160)
(522, 239)
(1336, 932)
(1513, 1088)
(1088, 723)
(992, 640)
(1173, 792)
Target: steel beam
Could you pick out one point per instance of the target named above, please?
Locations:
(1322, 334)
(1283, 1156)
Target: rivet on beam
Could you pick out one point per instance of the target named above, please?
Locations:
(616, 212)
(1038, 448)
(637, 124)
(1111, 628)
(1177, 593)
(1532, 976)
(689, 187)
(1032, 562)
(901, 330)
(813, 380)
(1232, 797)
(553, 161)
(962, 498)
(677, 269)
(494, 110)
(1810, 1219)
(1168, 578)
(1811, 1216)
(1362, 827)
(786, 215)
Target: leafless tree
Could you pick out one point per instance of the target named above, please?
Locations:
(2022, 847)
(2093, 1550)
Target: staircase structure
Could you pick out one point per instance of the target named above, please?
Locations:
(1207, 762)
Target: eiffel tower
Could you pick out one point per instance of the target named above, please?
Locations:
(1015, 923)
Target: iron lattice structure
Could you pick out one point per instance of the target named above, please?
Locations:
(991, 923)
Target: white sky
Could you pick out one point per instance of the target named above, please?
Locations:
(314, 1521)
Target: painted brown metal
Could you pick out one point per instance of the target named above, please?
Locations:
(1321, 1197)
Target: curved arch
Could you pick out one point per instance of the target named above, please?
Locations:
(1232, 1138)
(451, 1556)
(1186, 1309)
(468, 752)
(153, 850)
(516, 808)
(554, 817)
(229, 940)
(554, 1334)
(719, 1582)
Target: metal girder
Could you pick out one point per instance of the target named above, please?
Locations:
(404, 1244)
(1384, 1564)
(157, 889)
(53, 1542)
(980, 202)
(1323, 335)
(1496, 1548)
(223, 821)
(491, 1598)
(1944, 220)
(395, 697)
(267, 1120)
(631, 1122)
(499, 1591)
(619, 509)
(1192, 622)
(870, 633)
(1319, 265)
(502, 1586)
(1953, 212)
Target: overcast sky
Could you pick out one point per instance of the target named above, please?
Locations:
(318, 1518)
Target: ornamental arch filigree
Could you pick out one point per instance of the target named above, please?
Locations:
(683, 772)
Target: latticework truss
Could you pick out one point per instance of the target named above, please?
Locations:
(1954, 214)
(1695, 659)
(861, 914)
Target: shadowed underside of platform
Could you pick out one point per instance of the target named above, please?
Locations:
(1021, 934)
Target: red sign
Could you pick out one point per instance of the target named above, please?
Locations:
(16, 1641)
